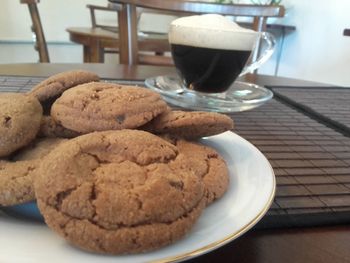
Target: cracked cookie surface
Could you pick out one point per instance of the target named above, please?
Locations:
(20, 117)
(16, 182)
(116, 192)
(190, 125)
(101, 106)
(16, 176)
(206, 163)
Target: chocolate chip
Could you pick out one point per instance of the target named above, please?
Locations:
(120, 118)
(177, 184)
(7, 121)
(94, 96)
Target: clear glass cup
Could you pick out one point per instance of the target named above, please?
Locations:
(213, 70)
(210, 52)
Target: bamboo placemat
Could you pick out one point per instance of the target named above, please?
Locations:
(329, 104)
(311, 162)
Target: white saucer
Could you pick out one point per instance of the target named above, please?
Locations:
(240, 96)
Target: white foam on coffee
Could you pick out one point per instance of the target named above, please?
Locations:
(211, 31)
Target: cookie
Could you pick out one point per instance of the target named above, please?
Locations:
(49, 128)
(16, 182)
(100, 106)
(20, 117)
(38, 149)
(115, 192)
(190, 125)
(55, 85)
(206, 163)
(17, 175)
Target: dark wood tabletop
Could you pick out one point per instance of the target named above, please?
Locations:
(327, 243)
(140, 72)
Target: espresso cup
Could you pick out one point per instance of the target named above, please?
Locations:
(211, 51)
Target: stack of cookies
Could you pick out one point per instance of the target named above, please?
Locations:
(113, 169)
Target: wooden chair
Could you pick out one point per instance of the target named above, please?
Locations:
(100, 39)
(127, 19)
(40, 42)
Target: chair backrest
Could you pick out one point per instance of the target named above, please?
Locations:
(95, 23)
(112, 8)
(127, 18)
(40, 42)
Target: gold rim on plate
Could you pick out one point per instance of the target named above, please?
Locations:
(217, 244)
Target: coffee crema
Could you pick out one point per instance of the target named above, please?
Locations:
(209, 51)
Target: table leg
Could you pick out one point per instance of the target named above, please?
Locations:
(86, 54)
(96, 52)
(93, 53)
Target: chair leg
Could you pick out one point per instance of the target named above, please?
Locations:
(39, 33)
(86, 54)
(127, 20)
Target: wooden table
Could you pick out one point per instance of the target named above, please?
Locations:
(97, 42)
(309, 244)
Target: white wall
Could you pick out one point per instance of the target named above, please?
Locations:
(317, 50)
(55, 15)
(16, 36)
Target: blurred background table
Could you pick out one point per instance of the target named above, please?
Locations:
(326, 243)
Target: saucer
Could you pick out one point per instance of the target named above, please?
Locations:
(241, 96)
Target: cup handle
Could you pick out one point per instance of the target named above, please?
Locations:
(264, 56)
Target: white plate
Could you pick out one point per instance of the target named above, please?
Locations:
(251, 191)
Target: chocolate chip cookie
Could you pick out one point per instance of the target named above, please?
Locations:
(55, 85)
(115, 192)
(206, 163)
(189, 125)
(100, 106)
(20, 117)
(16, 182)
(38, 149)
(17, 175)
(49, 128)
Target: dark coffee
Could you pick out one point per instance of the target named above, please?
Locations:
(208, 69)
